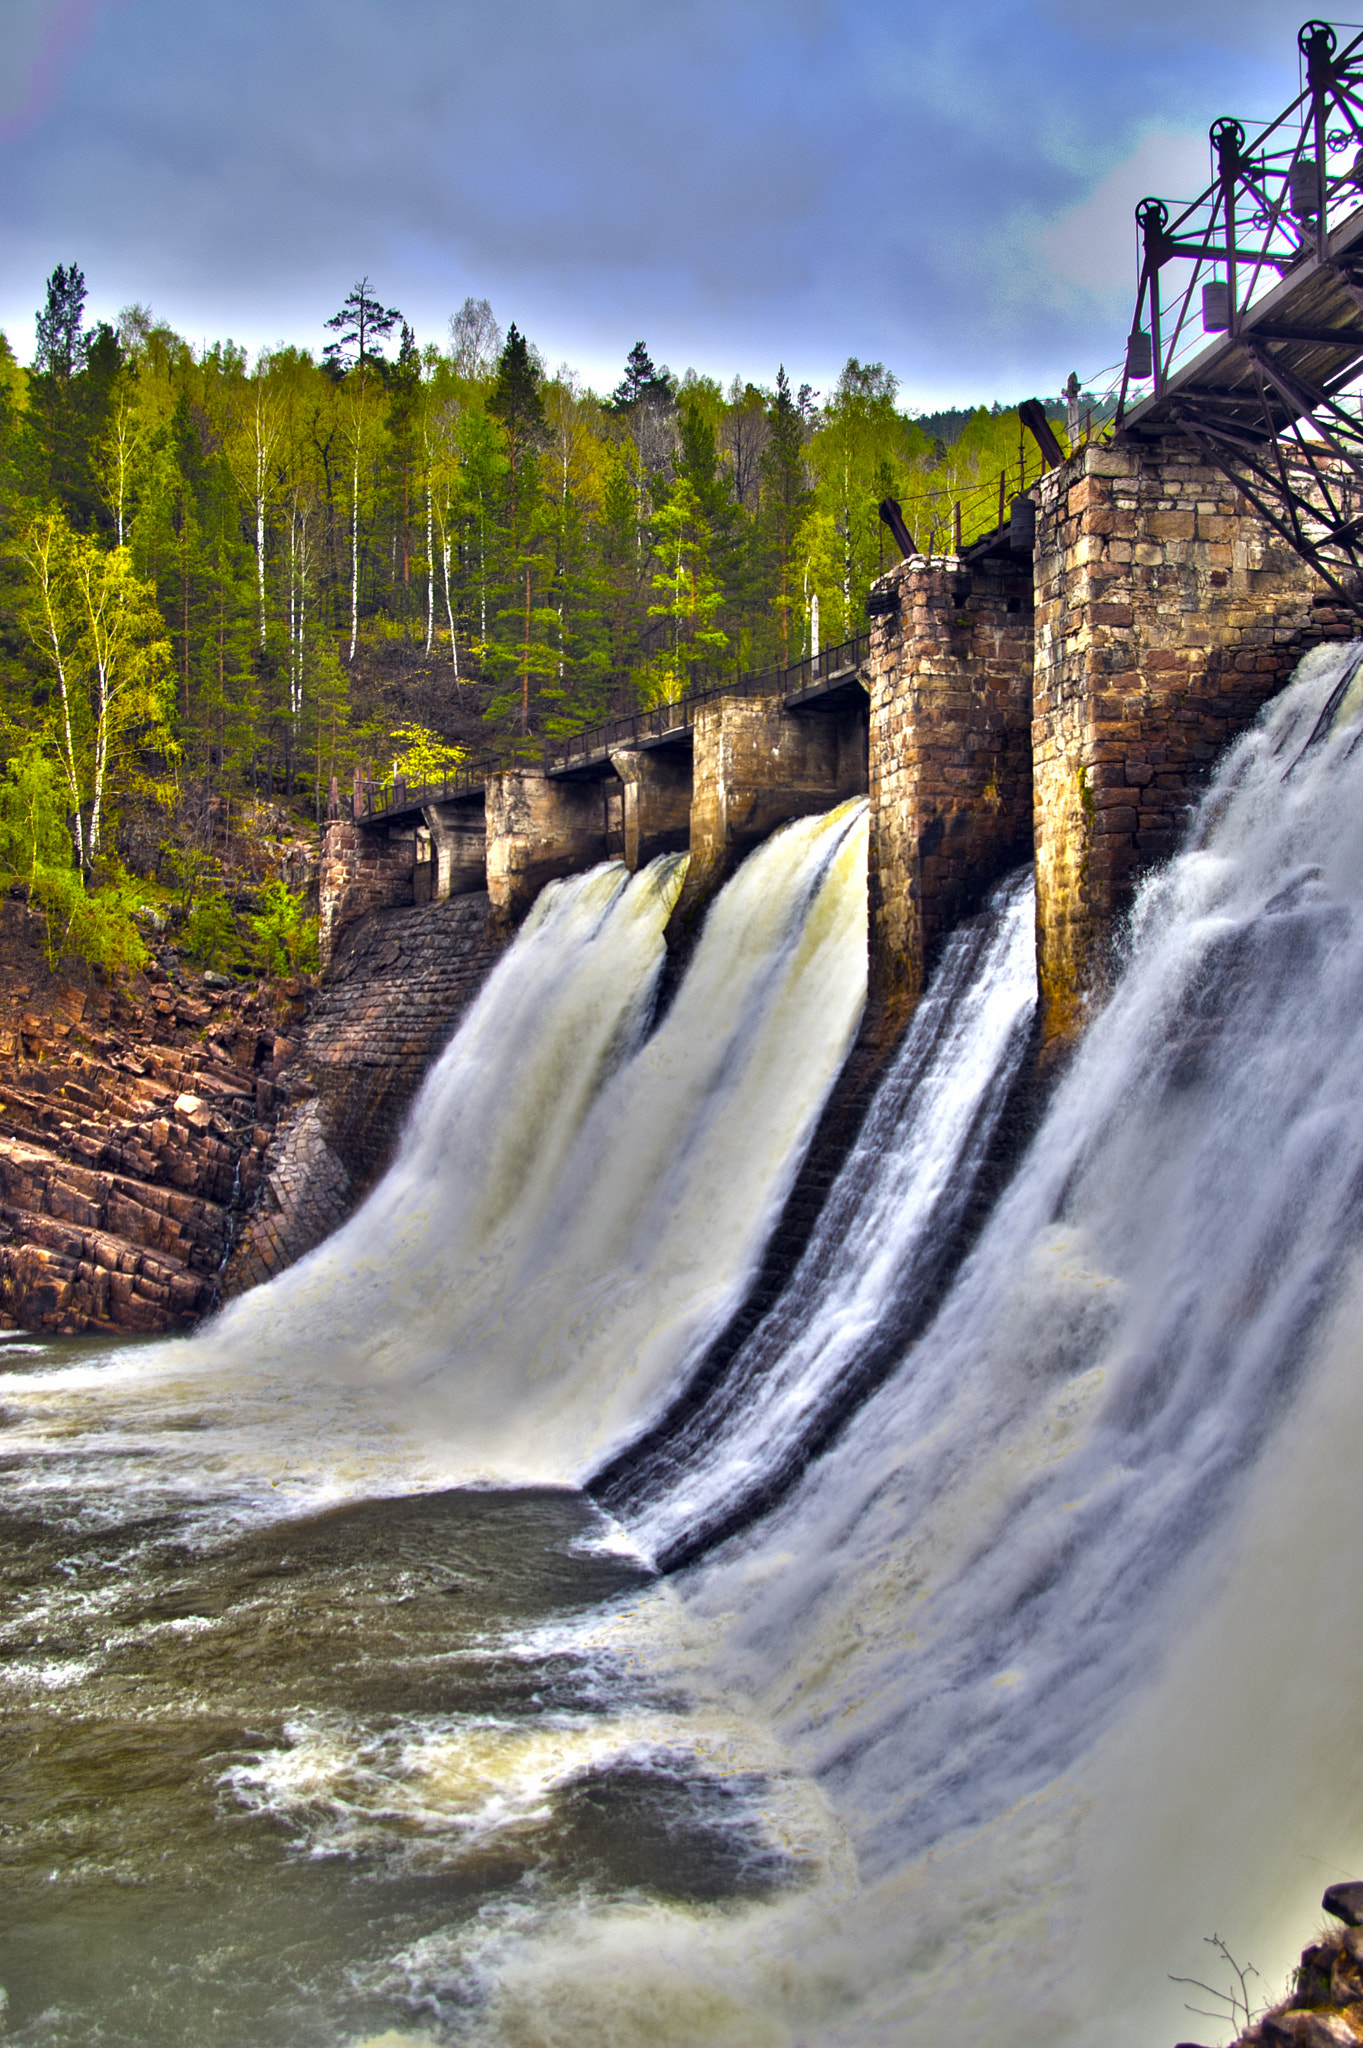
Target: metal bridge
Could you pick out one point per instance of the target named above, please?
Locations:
(1247, 340)
(1268, 260)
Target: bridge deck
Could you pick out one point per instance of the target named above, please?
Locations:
(1298, 345)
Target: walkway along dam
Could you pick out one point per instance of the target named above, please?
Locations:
(1058, 691)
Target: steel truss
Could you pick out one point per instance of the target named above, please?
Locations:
(1274, 256)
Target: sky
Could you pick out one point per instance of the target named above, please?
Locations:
(738, 183)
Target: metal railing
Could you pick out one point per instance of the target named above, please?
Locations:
(659, 722)
(381, 800)
(664, 721)
(1273, 203)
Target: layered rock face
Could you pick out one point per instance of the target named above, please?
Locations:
(133, 1126)
(168, 1144)
(399, 982)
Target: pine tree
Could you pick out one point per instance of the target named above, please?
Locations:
(686, 587)
(71, 397)
(784, 497)
(641, 383)
(404, 397)
(62, 342)
(515, 401)
(361, 323)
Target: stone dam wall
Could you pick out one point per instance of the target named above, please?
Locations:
(397, 986)
(166, 1146)
(1065, 704)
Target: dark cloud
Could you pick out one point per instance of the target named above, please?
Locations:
(739, 181)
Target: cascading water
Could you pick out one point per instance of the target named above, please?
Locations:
(889, 1225)
(1045, 1666)
(575, 1210)
(1127, 1338)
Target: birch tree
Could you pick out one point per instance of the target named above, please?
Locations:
(254, 449)
(97, 625)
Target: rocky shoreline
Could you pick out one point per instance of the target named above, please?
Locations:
(171, 1142)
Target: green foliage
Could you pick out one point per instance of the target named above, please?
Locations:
(515, 398)
(97, 924)
(210, 934)
(33, 829)
(424, 756)
(97, 630)
(283, 938)
(689, 597)
(238, 577)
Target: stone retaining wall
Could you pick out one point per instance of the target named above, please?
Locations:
(397, 988)
(363, 868)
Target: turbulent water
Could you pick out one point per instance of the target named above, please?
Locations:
(1021, 1644)
(577, 1205)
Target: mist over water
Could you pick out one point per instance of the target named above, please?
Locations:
(1026, 1648)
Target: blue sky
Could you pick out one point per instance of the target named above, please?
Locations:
(739, 182)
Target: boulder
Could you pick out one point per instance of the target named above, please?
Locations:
(1345, 1902)
(1313, 2028)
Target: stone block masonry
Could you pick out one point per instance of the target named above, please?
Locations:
(364, 868)
(398, 986)
(538, 829)
(1166, 613)
(950, 763)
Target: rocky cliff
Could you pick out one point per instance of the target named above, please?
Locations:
(133, 1126)
(168, 1144)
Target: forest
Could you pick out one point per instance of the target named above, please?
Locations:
(225, 583)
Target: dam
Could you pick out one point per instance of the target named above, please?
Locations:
(1059, 691)
(535, 1614)
(447, 1644)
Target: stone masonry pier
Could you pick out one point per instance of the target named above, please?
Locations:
(756, 766)
(950, 763)
(1167, 613)
(1067, 702)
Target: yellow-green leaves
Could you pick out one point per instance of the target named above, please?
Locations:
(98, 628)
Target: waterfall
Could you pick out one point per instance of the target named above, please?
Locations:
(874, 1260)
(577, 1204)
(1125, 1340)
(1018, 1642)
(1063, 1621)
(959, 1602)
